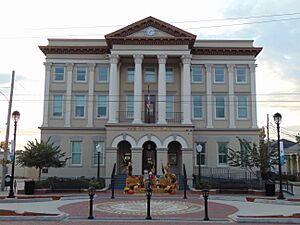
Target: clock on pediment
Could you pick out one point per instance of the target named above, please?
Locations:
(150, 31)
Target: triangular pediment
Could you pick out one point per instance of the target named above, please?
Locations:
(150, 31)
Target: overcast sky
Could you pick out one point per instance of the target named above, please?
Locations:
(273, 25)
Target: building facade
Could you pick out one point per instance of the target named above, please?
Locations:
(148, 93)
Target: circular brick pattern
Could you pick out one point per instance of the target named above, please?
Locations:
(158, 207)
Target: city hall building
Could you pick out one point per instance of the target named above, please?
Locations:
(148, 93)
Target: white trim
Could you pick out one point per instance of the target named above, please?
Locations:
(150, 137)
(174, 137)
(123, 137)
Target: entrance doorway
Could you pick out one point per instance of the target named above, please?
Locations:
(175, 157)
(149, 157)
(123, 157)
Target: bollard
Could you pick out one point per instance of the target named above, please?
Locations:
(92, 192)
(148, 194)
(205, 193)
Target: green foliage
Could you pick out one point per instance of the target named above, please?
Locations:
(41, 155)
(204, 184)
(262, 156)
(85, 183)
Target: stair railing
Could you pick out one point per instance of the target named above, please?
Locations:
(184, 182)
(112, 181)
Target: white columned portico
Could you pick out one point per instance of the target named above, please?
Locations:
(208, 96)
(253, 95)
(138, 59)
(70, 67)
(162, 89)
(230, 68)
(113, 89)
(48, 67)
(91, 95)
(186, 89)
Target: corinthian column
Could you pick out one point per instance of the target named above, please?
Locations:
(113, 89)
(162, 89)
(48, 67)
(186, 89)
(138, 59)
(253, 95)
(69, 94)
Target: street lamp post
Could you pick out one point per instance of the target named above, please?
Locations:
(16, 117)
(99, 149)
(205, 193)
(277, 120)
(199, 150)
(92, 192)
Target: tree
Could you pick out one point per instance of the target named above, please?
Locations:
(298, 138)
(253, 157)
(41, 155)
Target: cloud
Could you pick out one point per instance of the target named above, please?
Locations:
(6, 78)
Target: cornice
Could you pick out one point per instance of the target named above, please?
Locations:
(81, 50)
(226, 51)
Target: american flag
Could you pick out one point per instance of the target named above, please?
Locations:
(148, 101)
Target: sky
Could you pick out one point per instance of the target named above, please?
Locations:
(272, 24)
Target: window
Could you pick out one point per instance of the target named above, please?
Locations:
(169, 107)
(242, 107)
(129, 106)
(81, 73)
(197, 107)
(103, 74)
(59, 73)
(76, 148)
(102, 106)
(100, 146)
(150, 75)
(57, 105)
(79, 105)
(169, 75)
(201, 155)
(222, 152)
(241, 75)
(219, 74)
(130, 74)
(197, 74)
(220, 107)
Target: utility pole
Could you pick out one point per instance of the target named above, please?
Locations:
(5, 154)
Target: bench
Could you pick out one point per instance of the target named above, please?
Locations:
(66, 186)
(233, 187)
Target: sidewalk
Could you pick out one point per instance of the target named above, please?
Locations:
(132, 208)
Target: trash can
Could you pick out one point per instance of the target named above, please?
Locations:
(270, 188)
(29, 187)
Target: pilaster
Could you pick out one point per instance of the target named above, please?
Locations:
(48, 67)
(70, 67)
(231, 118)
(208, 96)
(91, 95)
(253, 95)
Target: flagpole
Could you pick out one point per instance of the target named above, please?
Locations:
(148, 104)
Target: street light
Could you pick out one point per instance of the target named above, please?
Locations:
(277, 120)
(148, 194)
(199, 150)
(99, 149)
(16, 117)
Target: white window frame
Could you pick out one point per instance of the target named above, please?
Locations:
(201, 74)
(170, 73)
(75, 106)
(152, 74)
(169, 100)
(107, 74)
(242, 107)
(79, 153)
(236, 75)
(79, 69)
(129, 71)
(216, 107)
(95, 153)
(198, 107)
(222, 153)
(61, 106)
(215, 74)
(63, 74)
(128, 115)
(99, 105)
